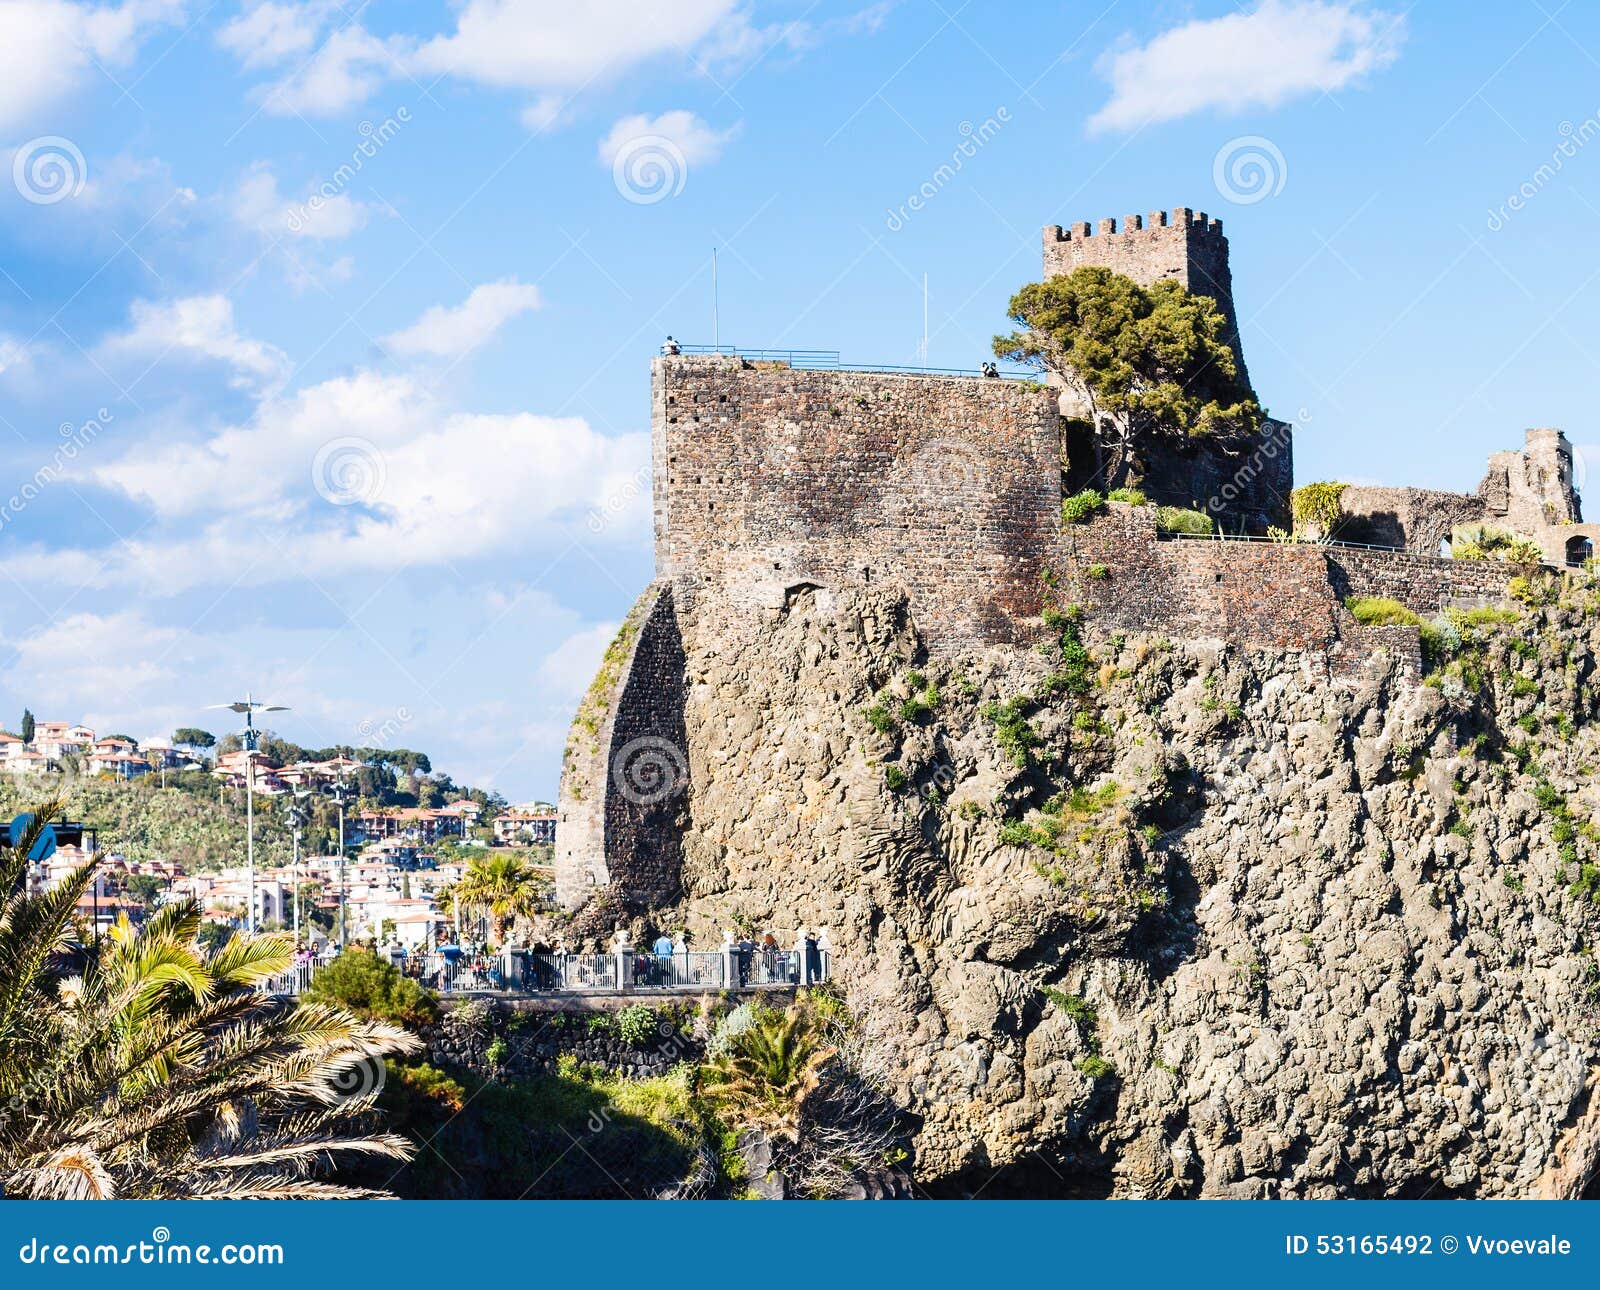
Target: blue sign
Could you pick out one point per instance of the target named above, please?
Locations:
(44, 846)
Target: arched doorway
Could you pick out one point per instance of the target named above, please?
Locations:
(1579, 550)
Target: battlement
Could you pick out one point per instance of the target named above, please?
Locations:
(1197, 222)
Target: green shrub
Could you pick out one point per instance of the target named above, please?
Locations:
(497, 1051)
(894, 777)
(1317, 504)
(1132, 496)
(1099, 571)
(1177, 519)
(636, 1024)
(1014, 833)
(1096, 1067)
(879, 718)
(1012, 731)
(922, 703)
(1441, 641)
(373, 987)
(1080, 506)
(1380, 611)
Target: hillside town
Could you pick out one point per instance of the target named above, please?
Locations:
(388, 887)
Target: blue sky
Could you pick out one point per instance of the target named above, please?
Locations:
(328, 325)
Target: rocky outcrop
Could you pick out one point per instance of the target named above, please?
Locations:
(1144, 917)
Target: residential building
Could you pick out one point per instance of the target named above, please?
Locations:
(533, 827)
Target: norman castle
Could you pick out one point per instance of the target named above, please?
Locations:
(773, 480)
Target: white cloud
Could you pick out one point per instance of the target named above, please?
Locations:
(13, 354)
(553, 50)
(271, 32)
(200, 326)
(258, 205)
(1275, 52)
(545, 114)
(698, 142)
(565, 672)
(351, 64)
(516, 45)
(455, 486)
(97, 661)
(50, 47)
(444, 332)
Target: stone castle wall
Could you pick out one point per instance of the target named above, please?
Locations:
(625, 772)
(1264, 595)
(772, 480)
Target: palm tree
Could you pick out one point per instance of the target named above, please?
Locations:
(771, 1071)
(506, 886)
(162, 1071)
(807, 1083)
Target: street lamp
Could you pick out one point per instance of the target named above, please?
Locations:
(340, 792)
(297, 816)
(249, 707)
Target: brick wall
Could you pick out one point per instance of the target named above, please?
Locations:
(1260, 594)
(768, 479)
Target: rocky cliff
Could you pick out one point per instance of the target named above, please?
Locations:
(1152, 917)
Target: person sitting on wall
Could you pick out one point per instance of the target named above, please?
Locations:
(671, 347)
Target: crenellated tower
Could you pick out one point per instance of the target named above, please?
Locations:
(1188, 248)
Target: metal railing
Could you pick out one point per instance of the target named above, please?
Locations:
(828, 360)
(1165, 535)
(1170, 535)
(518, 971)
(292, 982)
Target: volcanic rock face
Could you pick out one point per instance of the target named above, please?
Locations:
(1157, 918)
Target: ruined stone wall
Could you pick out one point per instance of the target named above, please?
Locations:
(1529, 490)
(770, 480)
(1415, 519)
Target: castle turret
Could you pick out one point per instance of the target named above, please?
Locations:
(1530, 490)
(1189, 248)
